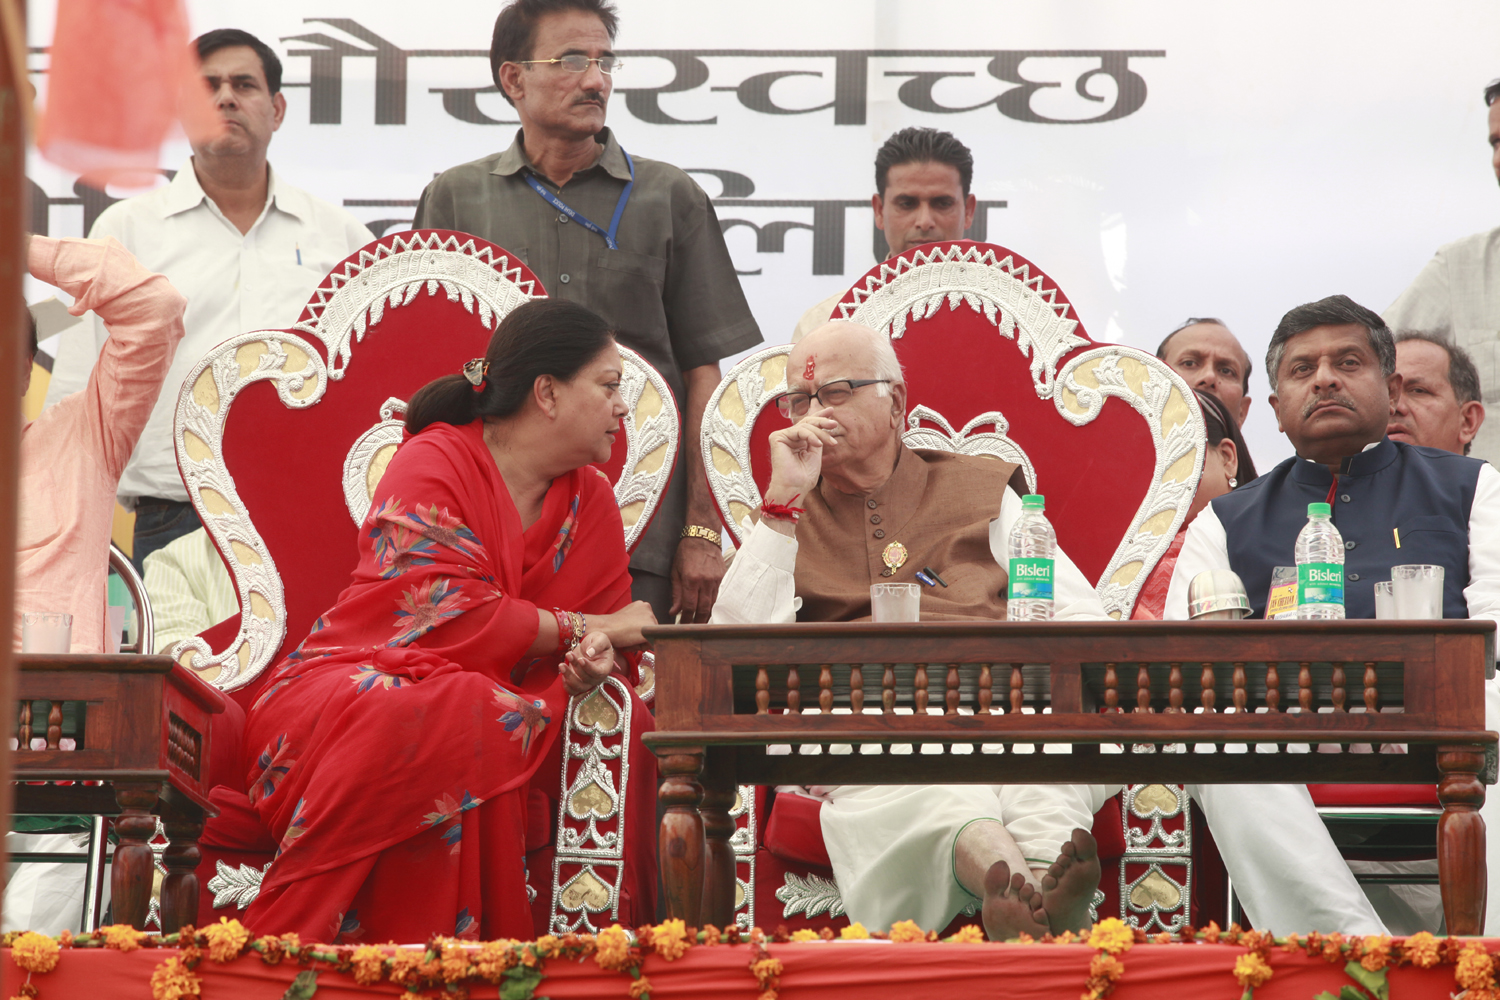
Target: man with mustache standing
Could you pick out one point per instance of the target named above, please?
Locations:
(244, 246)
(1334, 385)
(635, 240)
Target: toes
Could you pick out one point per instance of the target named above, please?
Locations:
(996, 879)
(1017, 883)
(1083, 844)
(1069, 848)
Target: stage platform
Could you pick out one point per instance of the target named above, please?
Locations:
(866, 969)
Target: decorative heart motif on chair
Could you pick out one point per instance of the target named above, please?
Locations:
(1155, 799)
(597, 710)
(590, 799)
(1155, 889)
(586, 892)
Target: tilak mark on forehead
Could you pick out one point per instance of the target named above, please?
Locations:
(808, 371)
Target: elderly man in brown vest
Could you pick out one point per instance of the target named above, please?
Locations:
(850, 505)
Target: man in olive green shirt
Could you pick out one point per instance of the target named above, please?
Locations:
(653, 262)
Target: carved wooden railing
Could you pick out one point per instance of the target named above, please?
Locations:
(136, 745)
(1230, 702)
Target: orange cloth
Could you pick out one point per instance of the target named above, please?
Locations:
(1152, 600)
(120, 75)
(73, 454)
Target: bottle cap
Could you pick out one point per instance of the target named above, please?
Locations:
(1033, 501)
(1319, 510)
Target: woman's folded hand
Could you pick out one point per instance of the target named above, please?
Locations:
(585, 666)
(624, 626)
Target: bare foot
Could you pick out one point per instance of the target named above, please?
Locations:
(1011, 905)
(1069, 885)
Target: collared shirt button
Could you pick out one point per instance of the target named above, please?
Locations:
(1354, 576)
(871, 504)
(561, 217)
(565, 279)
(1350, 545)
(1344, 497)
(874, 518)
(879, 533)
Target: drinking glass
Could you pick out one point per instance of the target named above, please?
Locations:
(895, 602)
(1417, 591)
(46, 632)
(1385, 601)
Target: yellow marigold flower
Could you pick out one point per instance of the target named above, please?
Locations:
(612, 948)
(641, 987)
(1112, 935)
(1251, 970)
(35, 952)
(1476, 970)
(369, 964)
(805, 934)
(670, 939)
(1105, 966)
(907, 931)
(548, 945)
(225, 939)
(854, 932)
(968, 934)
(1422, 950)
(173, 980)
(766, 968)
(1377, 954)
(122, 937)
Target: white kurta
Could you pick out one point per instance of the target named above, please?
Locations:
(889, 868)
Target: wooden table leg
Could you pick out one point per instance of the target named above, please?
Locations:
(133, 869)
(1460, 838)
(718, 827)
(179, 890)
(681, 844)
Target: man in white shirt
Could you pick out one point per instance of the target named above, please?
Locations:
(1440, 405)
(1332, 368)
(245, 247)
(1458, 295)
(922, 179)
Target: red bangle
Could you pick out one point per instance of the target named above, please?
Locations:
(783, 511)
(565, 638)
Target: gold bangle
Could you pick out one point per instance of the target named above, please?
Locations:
(579, 628)
(707, 534)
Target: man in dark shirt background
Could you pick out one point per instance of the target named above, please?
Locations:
(635, 240)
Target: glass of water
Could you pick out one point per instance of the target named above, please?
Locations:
(1417, 591)
(1385, 601)
(895, 602)
(46, 632)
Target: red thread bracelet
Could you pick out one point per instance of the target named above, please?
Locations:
(565, 637)
(783, 511)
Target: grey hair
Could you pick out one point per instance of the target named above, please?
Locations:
(1335, 310)
(883, 362)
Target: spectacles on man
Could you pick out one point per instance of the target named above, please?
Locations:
(1491, 92)
(795, 404)
(576, 63)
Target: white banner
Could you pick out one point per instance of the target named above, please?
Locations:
(1159, 159)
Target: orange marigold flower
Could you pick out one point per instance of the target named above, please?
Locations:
(225, 939)
(854, 932)
(766, 968)
(1377, 952)
(35, 952)
(1251, 970)
(173, 980)
(369, 964)
(1422, 950)
(404, 966)
(1211, 932)
(1293, 943)
(1025, 938)
(65, 939)
(1162, 938)
(907, 931)
(641, 987)
(612, 948)
(967, 934)
(1106, 967)
(122, 937)
(1112, 935)
(670, 939)
(548, 945)
(493, 958)
(1066, 937)
(769, 995)
(805, 934)
(1476, 970)
(455, 961)
(710, 935)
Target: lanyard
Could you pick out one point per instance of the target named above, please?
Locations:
(584, 221)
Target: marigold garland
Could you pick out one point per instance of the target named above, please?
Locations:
(452, 966)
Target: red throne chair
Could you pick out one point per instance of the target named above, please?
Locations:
(998, 364)
(282, 437)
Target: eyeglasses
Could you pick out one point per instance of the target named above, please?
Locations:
(1491, 92)
(576, 63)
(795, 404)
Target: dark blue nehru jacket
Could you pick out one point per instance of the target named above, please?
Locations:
(1426, 493)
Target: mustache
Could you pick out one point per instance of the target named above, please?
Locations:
(591, 97)
(1317, 401)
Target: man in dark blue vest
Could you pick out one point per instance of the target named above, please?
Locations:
(1332, 368)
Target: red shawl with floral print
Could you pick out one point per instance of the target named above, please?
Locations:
(413, 700)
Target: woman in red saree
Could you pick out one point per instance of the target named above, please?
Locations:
(391, 756)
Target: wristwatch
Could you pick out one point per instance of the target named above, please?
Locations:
(707, 534)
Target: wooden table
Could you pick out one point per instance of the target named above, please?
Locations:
(726, 693)
(145, 734)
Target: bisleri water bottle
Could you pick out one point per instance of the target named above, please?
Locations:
(1320, 566)
(1031, 550)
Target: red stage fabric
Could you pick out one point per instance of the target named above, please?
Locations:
(389, 756)
(857, 970)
